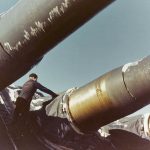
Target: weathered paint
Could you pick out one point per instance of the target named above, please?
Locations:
(29, 30)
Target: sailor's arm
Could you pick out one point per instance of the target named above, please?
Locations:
(46, 90)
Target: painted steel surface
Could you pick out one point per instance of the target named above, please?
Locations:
(30, 29)
(112, 96)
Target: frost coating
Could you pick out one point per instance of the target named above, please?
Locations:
(40, 25)
(37, 27)
(53, 13)
(56, 11)
(34, 31)
(128, 65)
(18, 45)
(26, 35)
(7, 45)
(65, 4)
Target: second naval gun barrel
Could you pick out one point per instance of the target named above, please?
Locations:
(31, 28)
(112, 96)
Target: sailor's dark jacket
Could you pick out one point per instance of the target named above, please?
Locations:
(30, 87)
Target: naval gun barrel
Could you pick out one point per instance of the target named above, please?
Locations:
(31, 28)
(112, 96)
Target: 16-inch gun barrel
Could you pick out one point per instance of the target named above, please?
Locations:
(112, 96)
(30, 29)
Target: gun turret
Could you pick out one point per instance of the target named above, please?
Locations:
(27, 32)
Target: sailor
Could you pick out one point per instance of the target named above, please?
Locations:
(24, 99)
